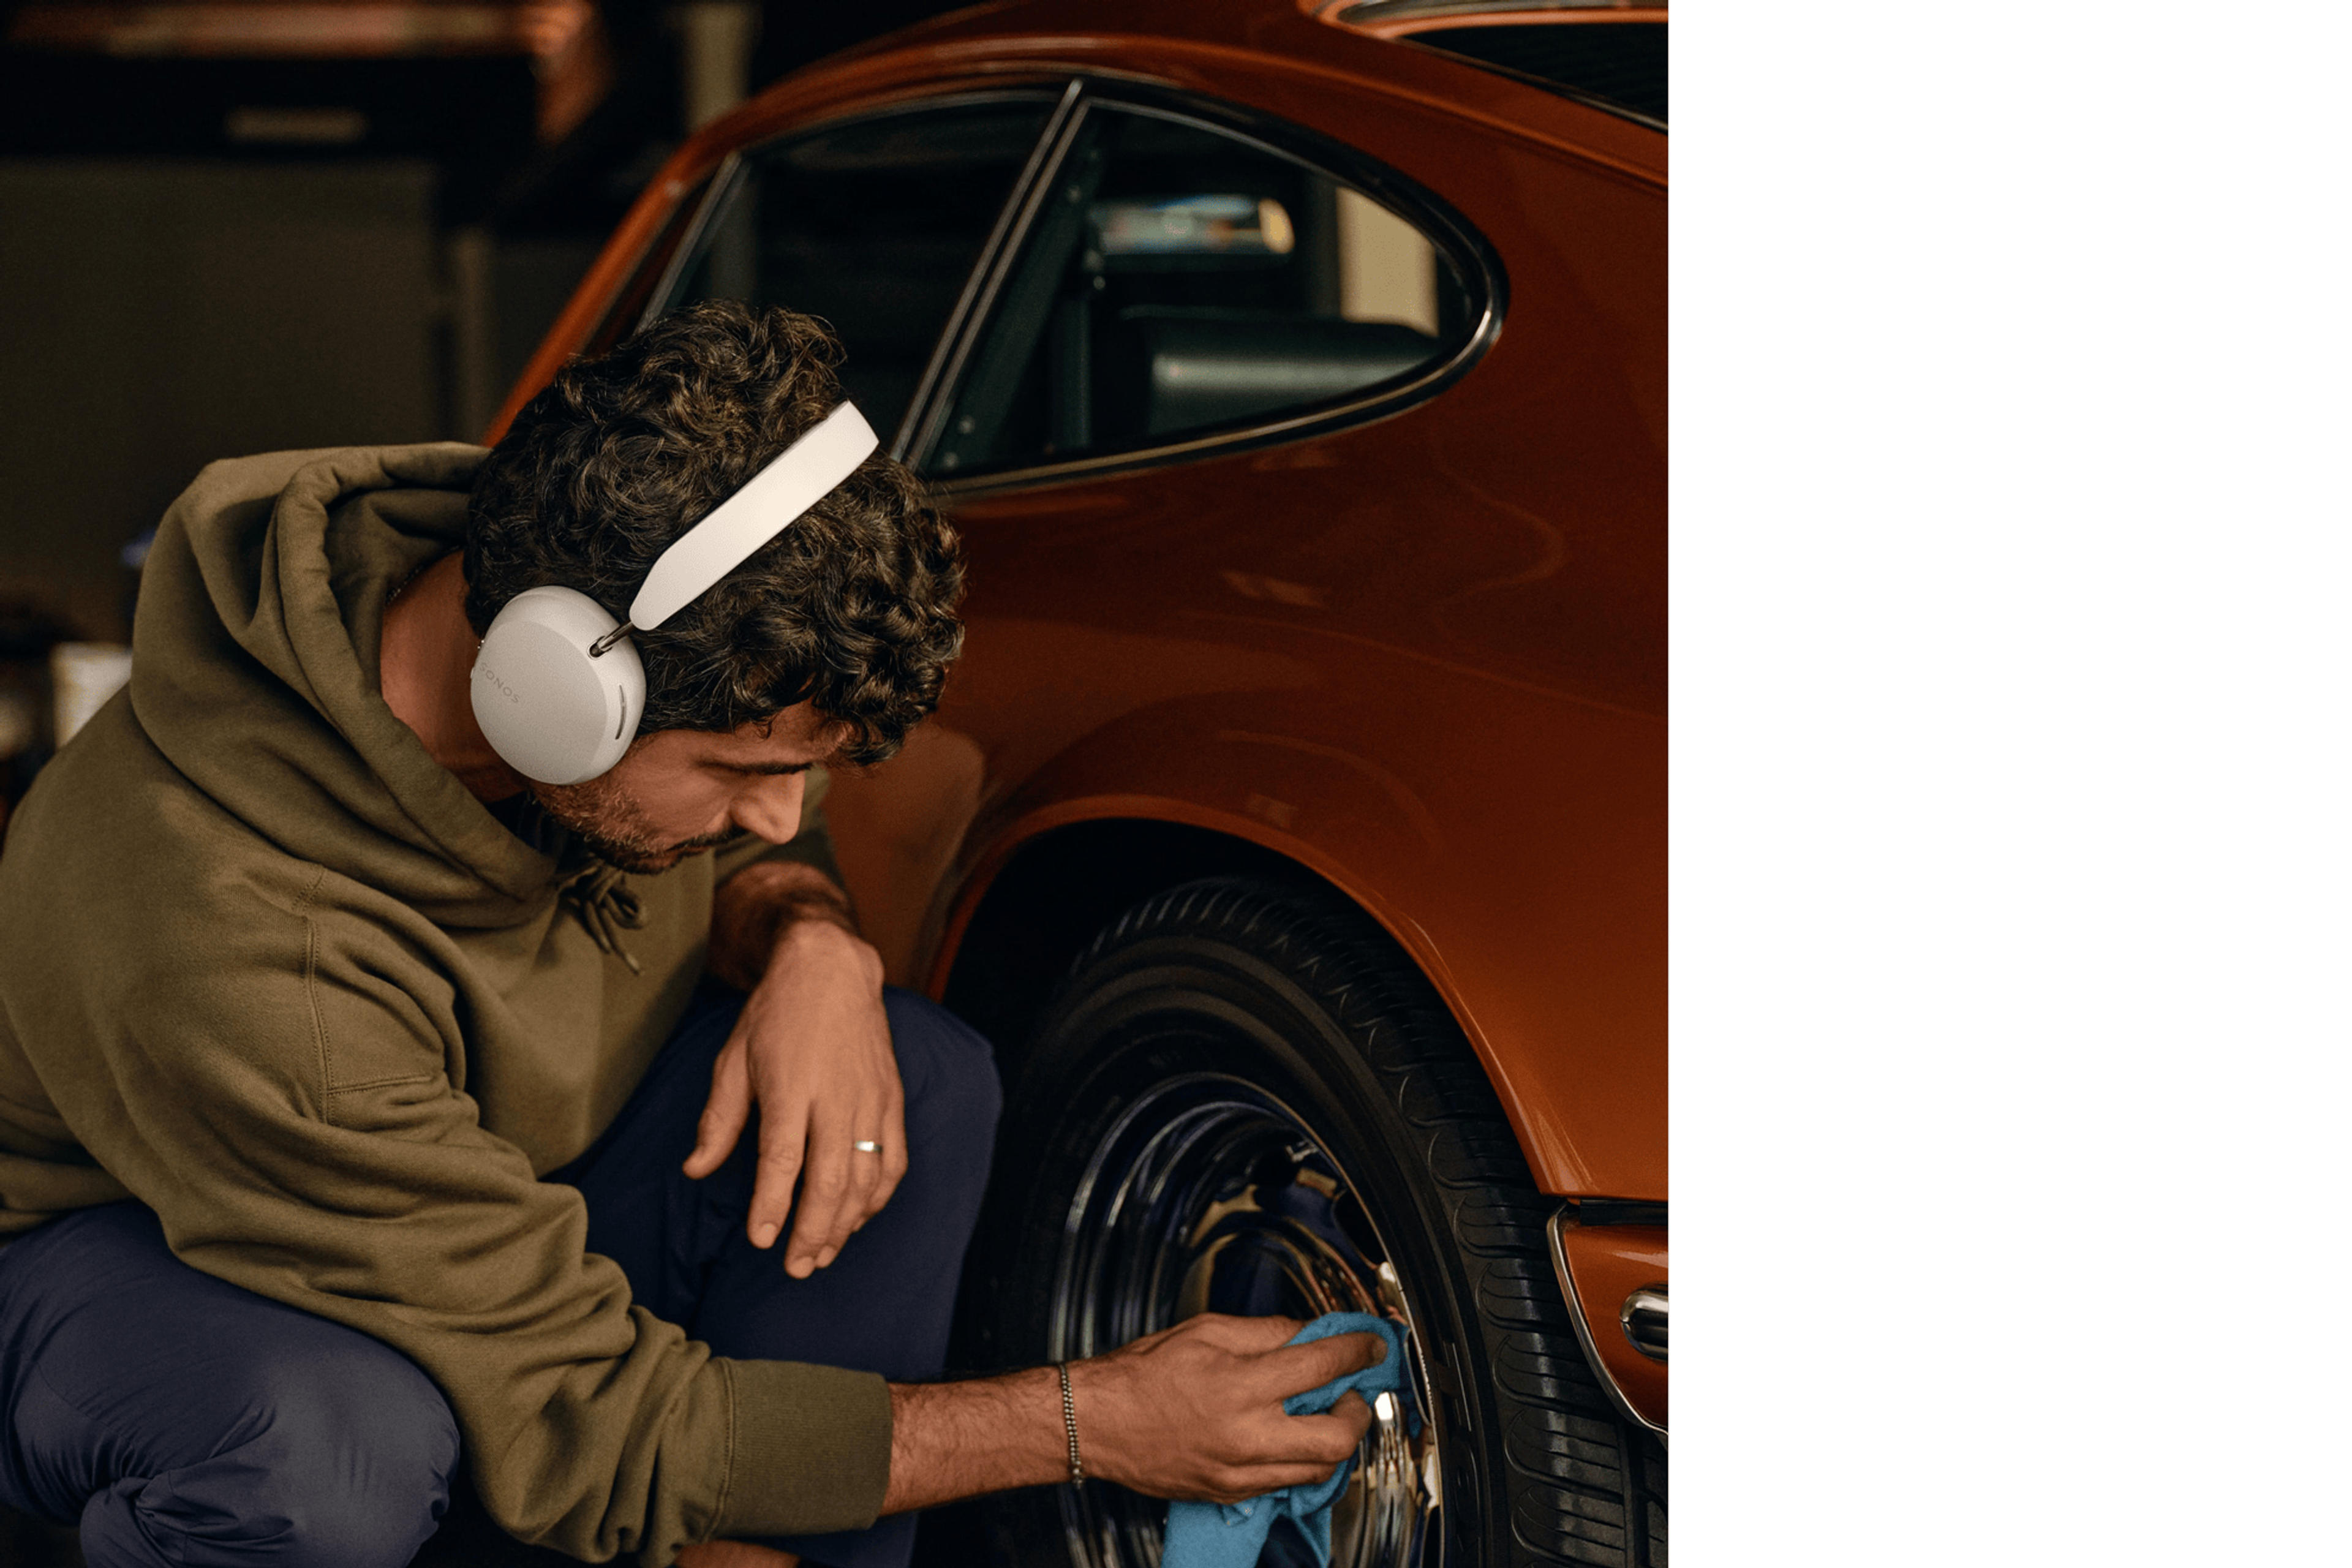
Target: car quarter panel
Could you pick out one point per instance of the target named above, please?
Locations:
(1268, 646)
(1547, 945)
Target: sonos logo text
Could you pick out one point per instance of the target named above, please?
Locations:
(508, 692)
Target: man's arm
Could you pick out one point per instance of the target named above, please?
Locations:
(1191, 1412)
(1194, 1412)
(812, 1049)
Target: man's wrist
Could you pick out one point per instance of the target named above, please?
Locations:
(759, 908)
(818, 935)
(953, 1440)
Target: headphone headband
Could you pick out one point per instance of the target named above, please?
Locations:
(558, 687)
(775, 498)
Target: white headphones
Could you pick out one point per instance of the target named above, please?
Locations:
(558, 687)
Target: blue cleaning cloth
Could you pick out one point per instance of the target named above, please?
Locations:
(1230, 1534)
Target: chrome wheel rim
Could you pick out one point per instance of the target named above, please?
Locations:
(1209, 1194)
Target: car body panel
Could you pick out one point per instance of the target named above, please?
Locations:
(1600, 1268)
(1421, 658)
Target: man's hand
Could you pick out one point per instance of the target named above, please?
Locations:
(1195, 1411)
(812, 1050)
(1191, 1411)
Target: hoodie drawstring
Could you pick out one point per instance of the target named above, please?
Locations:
(606, 906)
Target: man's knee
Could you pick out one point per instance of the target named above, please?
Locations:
(368, 1454)
(949, 1071)
(343, 1460)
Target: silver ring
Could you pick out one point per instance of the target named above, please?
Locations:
(866, 1146)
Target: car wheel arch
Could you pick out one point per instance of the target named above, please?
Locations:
(1013, 939)
(1055, 892)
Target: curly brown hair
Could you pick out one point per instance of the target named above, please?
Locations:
(853, 607)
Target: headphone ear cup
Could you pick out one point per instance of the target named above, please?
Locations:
(554, 711)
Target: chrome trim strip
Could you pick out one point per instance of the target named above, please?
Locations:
(1552, 1228)
(1365, 13)
(987, 274)
(1481, 271)
(1052, 146)
(715, 197)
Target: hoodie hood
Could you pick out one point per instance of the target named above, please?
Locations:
(260, 613)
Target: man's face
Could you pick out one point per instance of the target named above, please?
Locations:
(678, 792)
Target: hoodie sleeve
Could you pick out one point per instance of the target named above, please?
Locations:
(276, 1089)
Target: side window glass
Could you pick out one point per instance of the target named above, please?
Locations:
(873, 226)
(1178, 280)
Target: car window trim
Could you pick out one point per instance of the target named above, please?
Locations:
(735, 168)
(715, 197)
(980, 286)
(926, 417)
(1481, 267)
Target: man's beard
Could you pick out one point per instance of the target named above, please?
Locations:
(609, 820)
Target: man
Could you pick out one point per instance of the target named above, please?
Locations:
(362, 1106)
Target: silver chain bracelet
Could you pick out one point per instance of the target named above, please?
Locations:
(1070, 1423)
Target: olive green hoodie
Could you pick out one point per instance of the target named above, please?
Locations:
(268, 968)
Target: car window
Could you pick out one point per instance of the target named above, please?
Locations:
(1178, 280)
(873, 226)
(1619, 66)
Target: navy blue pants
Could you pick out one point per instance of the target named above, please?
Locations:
(180, 1420)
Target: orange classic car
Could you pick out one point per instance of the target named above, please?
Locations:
(1296, 821)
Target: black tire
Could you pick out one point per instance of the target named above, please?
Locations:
(1142, 1167)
